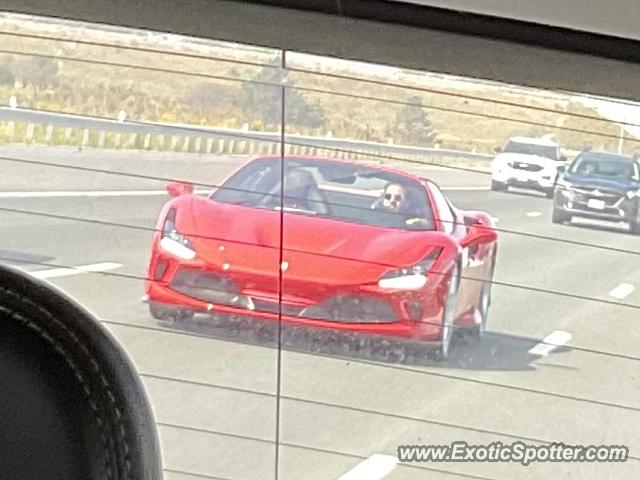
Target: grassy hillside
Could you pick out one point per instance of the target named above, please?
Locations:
(185, 88)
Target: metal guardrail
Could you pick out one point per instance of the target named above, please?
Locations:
(50, 120)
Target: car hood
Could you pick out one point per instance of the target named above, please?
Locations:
(328, 250)
(523, 158)
(618, 186)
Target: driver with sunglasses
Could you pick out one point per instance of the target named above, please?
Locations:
(395, 199)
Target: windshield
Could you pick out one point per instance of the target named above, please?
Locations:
(545, 151)
(614, 168)
(222, 209)
(329, 189)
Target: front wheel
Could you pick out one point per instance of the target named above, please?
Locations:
(559, 216)
(448, 316)
(485, 301)
(498, 186)
(634, 224)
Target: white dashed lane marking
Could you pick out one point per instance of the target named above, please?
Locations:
(621, 291)
(69, 271)
(376, 467)
(555, 339)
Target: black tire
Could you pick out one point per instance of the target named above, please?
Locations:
(498, 186)
(485, 300)
(446, 341)
(558, 216)
(170, 315)
(634, 224)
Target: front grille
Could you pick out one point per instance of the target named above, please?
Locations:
(353, 309)
(206, 286)
(272, 307)
(529, 167)
(586, 194)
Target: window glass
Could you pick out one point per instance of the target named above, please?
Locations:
(605, 166)
(444, 210)
(253, 225)
(524, 148)
(98, 123)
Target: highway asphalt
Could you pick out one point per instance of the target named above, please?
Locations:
(213, 385)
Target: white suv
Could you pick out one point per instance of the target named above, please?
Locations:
(527, 163)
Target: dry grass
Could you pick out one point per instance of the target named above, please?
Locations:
(99, 89)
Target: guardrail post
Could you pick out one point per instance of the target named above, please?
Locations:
(67, 136)
(220, 146)
(186, 144)
(147, 141)
(117, 141)
(160, 141)
(231, 146)
(174, 142)
(101, 138)
(133, 138)
(29, 135)
(208, 146)
(85, 137)
(48, 135)
(198, 144)
(11, 130)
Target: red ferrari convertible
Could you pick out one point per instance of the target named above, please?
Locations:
(325, 243)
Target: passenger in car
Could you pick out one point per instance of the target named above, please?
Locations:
(301, 192)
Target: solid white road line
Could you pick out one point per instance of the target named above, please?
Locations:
(68, 271)
(95, 193)
(534, 214)
(375, 467)
(555, 339)
(454, 189)
(621, 291)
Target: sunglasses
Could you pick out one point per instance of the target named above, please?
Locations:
(397, 197)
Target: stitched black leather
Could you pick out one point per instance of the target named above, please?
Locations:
(71, 404)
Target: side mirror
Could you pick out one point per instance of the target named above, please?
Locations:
(497, 149)
(562, 168)
(563, 158)
(175, 189)
(479, 234)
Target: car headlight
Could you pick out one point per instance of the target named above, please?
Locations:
(174, 242)
(562, 183)
(410, 278)
(567, 193)
(631, 194)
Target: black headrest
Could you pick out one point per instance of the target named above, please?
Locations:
(72, 405)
